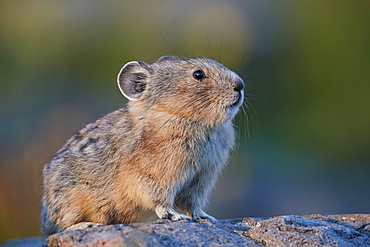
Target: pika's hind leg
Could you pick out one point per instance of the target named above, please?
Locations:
(82, 225)
(169, 213)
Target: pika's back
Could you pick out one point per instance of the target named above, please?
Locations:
(160, 153)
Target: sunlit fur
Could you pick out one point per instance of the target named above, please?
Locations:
(160, 152)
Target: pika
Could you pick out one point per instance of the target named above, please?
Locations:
(160, 153)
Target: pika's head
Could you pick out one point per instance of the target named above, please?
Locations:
(197, 89)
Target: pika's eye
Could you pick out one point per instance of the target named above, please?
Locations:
(198, 75)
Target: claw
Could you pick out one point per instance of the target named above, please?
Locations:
(199, 214)
(196, 219)
(177, 217)
(83, 225)
(169, 213)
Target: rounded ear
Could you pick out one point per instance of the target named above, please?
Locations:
(132, 79)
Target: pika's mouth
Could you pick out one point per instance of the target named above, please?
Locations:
(237, 98)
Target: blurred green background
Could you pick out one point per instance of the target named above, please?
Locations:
(303, 147)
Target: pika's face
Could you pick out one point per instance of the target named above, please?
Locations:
(198, 89)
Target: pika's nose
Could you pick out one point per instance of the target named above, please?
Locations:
(239, 85)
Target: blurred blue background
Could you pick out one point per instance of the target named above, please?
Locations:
(303, 146)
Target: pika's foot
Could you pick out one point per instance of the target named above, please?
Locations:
(169, 213)
(199, 214)
(83, 225)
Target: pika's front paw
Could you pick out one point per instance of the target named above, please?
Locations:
(199, 214)
(178, 216)
(169, 213)
(82, 225)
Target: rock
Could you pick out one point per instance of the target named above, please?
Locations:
(159, 233)
(309, 230)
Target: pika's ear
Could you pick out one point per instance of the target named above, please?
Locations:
(132, 79)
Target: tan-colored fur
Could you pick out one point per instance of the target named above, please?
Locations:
(162, 151)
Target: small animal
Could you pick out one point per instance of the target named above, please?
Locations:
(160, 153)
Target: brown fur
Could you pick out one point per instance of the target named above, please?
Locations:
(161, 151)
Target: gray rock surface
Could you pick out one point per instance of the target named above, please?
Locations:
(310, 230)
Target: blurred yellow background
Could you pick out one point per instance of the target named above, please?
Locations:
(304, 148)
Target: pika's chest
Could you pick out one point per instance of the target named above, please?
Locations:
(215, 147)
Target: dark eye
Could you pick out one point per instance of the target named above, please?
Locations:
(198, 75)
